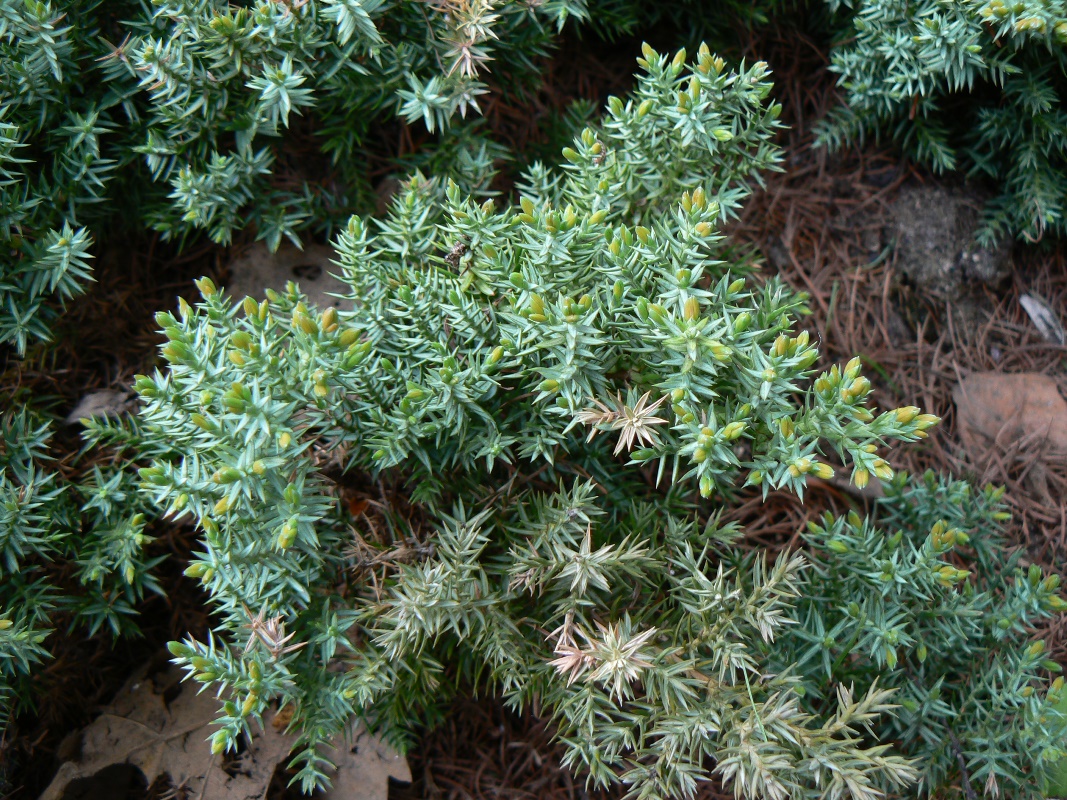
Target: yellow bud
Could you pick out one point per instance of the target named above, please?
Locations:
(859, 387)
(823, 471)
(206, 287)
(906, 414)
(733, 430)
(694, 88)
(222, 506)
(329, 319)
(692, 309)
(196, 570)
(861, 477)
(703, 229)
(852, 368)
(5, 624)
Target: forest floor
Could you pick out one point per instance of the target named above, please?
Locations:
(821, 224)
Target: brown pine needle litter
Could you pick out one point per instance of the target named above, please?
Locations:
(819, 226)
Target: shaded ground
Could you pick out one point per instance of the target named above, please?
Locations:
(818, 225)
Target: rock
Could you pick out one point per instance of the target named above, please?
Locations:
(103, 403)
(259, 269)
(998, 409)
(364, 766)
(159, 725)
(934, 228)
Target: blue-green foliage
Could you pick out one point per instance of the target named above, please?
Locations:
(177, 115)
(92, 529)
(968, 85)
(924, 598)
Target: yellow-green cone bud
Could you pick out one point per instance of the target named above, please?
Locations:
(692, 309)
(206, 287)
(906, 414)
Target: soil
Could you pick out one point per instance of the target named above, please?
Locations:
(883, 249)
(933, 231)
